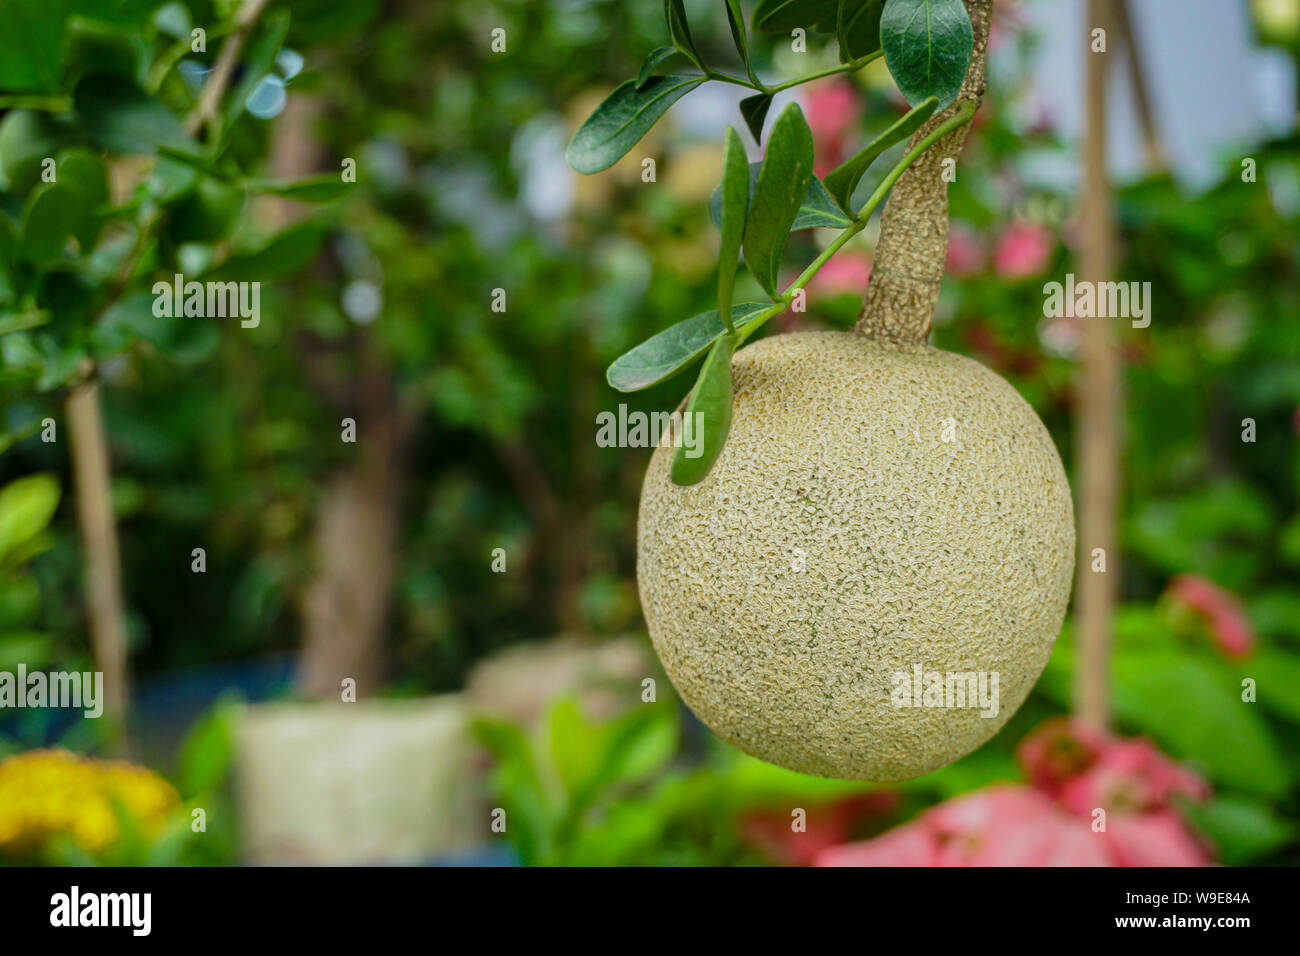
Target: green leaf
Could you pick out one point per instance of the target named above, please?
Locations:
(323, 188)
(782, 16)
(711, 402)
(1242, 829)
(817, 211)
(626, 115)
(662, 356)
(121, 117)
(782, 184)
(842, 180)
(26, 507)
(927, 46)
(207, 752)
(31, 44)
(53, 211)
(857, 28)
(26, 139)
(258, 61)
(288, 252)
(652, 60)
(680, 31)
(1195, 712)
(208, 214)
(735, 207)
(20, 321)
(736, 21)
(85, 174)
(754, 110)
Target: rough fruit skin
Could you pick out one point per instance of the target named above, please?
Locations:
(838, 539)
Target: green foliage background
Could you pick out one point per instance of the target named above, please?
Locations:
(225, 438)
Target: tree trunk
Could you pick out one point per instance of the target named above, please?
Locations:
(345, 609)
(101, 559)
(345, 605)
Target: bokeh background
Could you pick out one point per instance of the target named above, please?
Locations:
(501, 716)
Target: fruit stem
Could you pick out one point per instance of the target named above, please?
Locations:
(909, 260)
(959, 118)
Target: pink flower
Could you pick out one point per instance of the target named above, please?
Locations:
(1224, 617)
(1022, 250)
(1075, 770)
(965, 256)
(832, 109)
(1004, 825)
(1152, 839)
(846, 272)
(1130, 775)
(909, 845)
(827, 826)
(1082, 769)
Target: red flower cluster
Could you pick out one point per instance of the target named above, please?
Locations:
(1074, 772)
(1224, 617)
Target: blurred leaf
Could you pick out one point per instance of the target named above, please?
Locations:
(782, 16)
(622, 119)
(711, 400)
(53, 212)
(324, 188)
(85, 174)
(754, 110)
(207, 753)
(575, 744)
(652, 60)
(32, 649)
(1243, 830)
(842, 180)
(26, 507)
(31, 44)
(259, 59)
(927, 46)
(123, 118)
(735, 207)
(639, 743)
(291, 250)
(18, 321)
(662, 356)
(121, 14)
(782, 184)
(858, 28)
(26, 139)
(1196, 713)
(1277, 681)
(1217, 530)
(208, 214)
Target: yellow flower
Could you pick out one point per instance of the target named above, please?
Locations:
(45, 793)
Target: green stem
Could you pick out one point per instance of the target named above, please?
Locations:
(753, 83)
(850, 67)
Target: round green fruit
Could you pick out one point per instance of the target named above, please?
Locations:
(880, 517)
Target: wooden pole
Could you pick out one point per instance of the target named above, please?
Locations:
(1098, 401)
(94, 496)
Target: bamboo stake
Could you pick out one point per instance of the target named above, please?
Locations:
(1098, 403)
